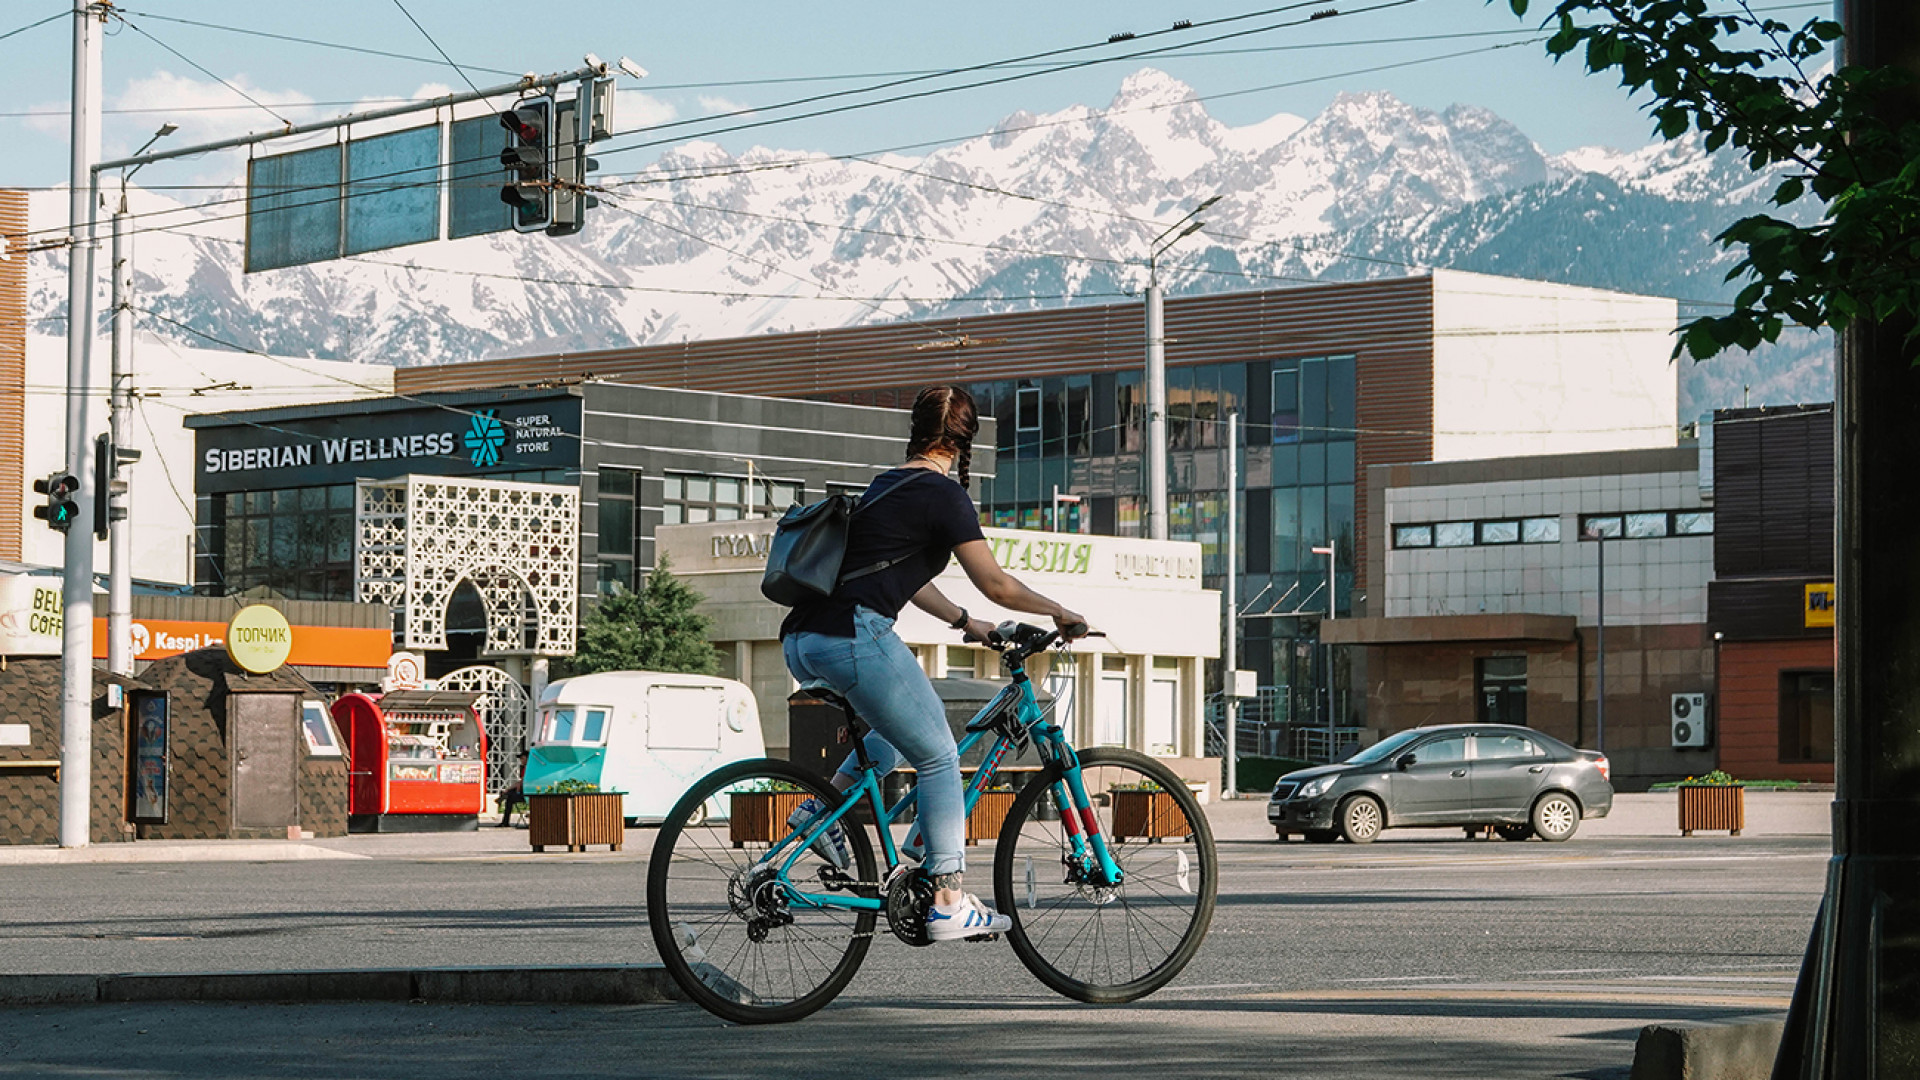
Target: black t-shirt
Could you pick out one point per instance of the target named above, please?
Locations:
(925, 520)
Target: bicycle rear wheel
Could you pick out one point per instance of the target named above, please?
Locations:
(727, 927)
(1097, 943)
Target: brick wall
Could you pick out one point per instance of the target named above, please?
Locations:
(1748, 723)
(1415, 685)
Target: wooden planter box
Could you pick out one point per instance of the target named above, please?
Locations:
(1150, 814)
(1712, 807)
(989, 813)
(760, 817)
(575, 820)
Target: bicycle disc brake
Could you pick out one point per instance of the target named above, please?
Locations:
(909, 895)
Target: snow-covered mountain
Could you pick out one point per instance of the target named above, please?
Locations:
(1049, 210)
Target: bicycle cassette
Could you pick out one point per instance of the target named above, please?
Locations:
(909, 896)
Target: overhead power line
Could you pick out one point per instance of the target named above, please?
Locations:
(32, 25)
(317, 43)
(436, 45)
(135, 27)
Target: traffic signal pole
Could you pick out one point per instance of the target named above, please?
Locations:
(76, 632)
(119, 423)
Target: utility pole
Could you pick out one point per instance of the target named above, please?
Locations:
(76, 632)
(1600, 641)
(1854, 1012)
(1157, 369)
(120, 427)
(1231, 649)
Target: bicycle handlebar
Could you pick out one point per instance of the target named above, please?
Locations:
(1020, 640)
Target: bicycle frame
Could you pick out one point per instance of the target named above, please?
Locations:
(1012, 716)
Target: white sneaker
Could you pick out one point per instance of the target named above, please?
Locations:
(830, 845)
(974, 919)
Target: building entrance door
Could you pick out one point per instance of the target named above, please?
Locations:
(266, 760)
(1501, 690)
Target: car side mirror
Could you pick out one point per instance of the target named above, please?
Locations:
(1403, 761)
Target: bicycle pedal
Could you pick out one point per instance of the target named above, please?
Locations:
(983, 937)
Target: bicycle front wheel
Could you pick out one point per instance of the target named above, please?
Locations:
(729, 928)
(1095, 942)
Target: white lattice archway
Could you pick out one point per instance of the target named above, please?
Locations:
(519, 544)
(505, 713)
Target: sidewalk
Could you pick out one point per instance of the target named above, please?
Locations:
(1648, 814)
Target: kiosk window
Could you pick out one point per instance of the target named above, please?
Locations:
(560, 728)
(595, 727)
(321, 740)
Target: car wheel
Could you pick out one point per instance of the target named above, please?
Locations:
(1361, 819)
(1555, 817)
(1321, 836)
(698, 817)
(1514, 832)
(1282, 837)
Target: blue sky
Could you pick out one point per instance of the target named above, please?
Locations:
(702, 56)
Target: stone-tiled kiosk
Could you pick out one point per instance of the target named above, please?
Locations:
(30, 754)
(246, 756)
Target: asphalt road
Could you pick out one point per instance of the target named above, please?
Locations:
(1424, 956)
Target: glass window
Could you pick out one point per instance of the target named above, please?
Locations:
(1487, 747)
(616, 482)
(1413, 536)
(1340, 463)
(1441, 751)
(1453, 534)
(1499, 532)
(1313, 400)
(671, 488)
(1645, 526)
(595, 729)
(560, 727)
(1607, 525)
(1340, 395)
(782, 494)
(672, 514)
(699, 489)
(1079, 415)
(1541, 530)
(1286, 405)
(1026, 415)
(1693, 523)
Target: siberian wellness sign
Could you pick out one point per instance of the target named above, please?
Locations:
(475, 435)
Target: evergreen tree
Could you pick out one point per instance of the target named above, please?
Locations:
(654, 629)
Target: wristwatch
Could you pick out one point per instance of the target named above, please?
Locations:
(961, 622)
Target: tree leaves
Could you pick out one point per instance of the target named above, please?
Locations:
(1742, 82)
(655, 629)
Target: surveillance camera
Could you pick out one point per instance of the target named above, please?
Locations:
(596, 63)
(633, 69)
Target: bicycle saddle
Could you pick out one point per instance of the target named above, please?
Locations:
(825, 695)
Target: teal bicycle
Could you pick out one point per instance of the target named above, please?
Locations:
(1105, 863)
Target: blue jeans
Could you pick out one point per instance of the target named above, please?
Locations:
(879, 675)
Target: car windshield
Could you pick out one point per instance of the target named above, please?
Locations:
(1384, 749)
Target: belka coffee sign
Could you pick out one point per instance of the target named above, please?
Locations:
(501, 435)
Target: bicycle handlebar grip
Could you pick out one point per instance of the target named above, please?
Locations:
(1075, 630)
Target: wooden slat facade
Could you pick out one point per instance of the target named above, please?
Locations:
(1387, 325)
(13, 373)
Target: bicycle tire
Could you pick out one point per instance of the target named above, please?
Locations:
(1024, 837)
(701, 902)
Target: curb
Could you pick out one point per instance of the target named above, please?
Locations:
(636, 984)
(1707, 1052)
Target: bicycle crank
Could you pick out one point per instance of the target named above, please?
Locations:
(909, 896)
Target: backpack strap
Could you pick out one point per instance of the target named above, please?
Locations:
(864, 504)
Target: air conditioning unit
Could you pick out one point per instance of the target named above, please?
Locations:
(1689, 717)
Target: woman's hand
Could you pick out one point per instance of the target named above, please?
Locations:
(977, 630)
(1064, 619)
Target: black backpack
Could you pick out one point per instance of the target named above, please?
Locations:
(810, 544)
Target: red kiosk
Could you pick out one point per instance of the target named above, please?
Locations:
(418, 760)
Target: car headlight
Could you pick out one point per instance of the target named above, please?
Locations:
(1317, 786)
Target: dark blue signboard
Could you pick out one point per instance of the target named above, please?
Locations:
(479, 436)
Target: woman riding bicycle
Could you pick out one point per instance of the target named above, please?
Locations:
(846, 641)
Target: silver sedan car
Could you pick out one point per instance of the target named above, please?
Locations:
(1516, 780)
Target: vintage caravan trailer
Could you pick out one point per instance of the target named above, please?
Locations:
(648, 734)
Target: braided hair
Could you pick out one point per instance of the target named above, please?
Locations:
(944, 421)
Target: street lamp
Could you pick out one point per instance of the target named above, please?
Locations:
(1598, 534)
(1157, 368)
(1333, 608)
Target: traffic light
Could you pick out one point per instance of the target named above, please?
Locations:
(107, 489)
(573, 131)
(60, 510)
(529, 162)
